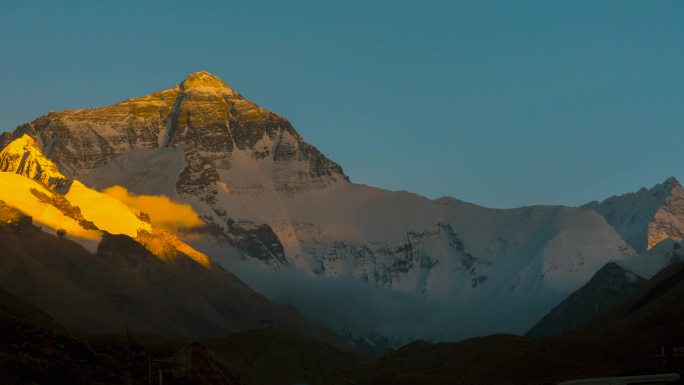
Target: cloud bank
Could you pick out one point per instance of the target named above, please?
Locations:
(345, 303)
(164, 213)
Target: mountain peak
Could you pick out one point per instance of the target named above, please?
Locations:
(204, 80)
(671, 183)
(23, 143)
(25, 157)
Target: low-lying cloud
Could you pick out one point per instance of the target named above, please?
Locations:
(345, 303)
(164, 213)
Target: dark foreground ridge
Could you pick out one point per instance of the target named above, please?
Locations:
(35, 349)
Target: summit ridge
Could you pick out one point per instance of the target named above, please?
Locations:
(203, 79)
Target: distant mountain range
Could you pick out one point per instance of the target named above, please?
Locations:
(287, 220)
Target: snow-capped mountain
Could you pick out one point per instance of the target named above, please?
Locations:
(258, 186)
(648, 216)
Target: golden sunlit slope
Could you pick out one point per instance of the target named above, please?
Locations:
(33, 199)
(24, 156)
(167, 246)
(107, 213)
(23, 186)
(32, 183)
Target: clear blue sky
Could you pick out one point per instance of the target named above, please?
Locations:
(499, 103)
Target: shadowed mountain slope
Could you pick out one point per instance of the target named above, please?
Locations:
(608, 287)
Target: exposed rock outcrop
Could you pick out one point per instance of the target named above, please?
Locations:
(646, 217)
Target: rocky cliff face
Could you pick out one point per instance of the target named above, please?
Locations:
(433, 261)
(648, 216)
(201, 113)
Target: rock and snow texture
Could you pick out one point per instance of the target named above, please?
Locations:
(648, 216)
(32, 183)
(652, 221)
(24, 156)
(259, 187)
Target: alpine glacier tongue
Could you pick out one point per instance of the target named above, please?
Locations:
(260, 187)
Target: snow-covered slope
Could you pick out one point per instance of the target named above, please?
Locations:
(646, 217)
(259, 187)
(30, 181)
(655, 259)
(652, 220)
(35, 201)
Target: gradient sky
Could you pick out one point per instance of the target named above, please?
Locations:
(499, 103)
